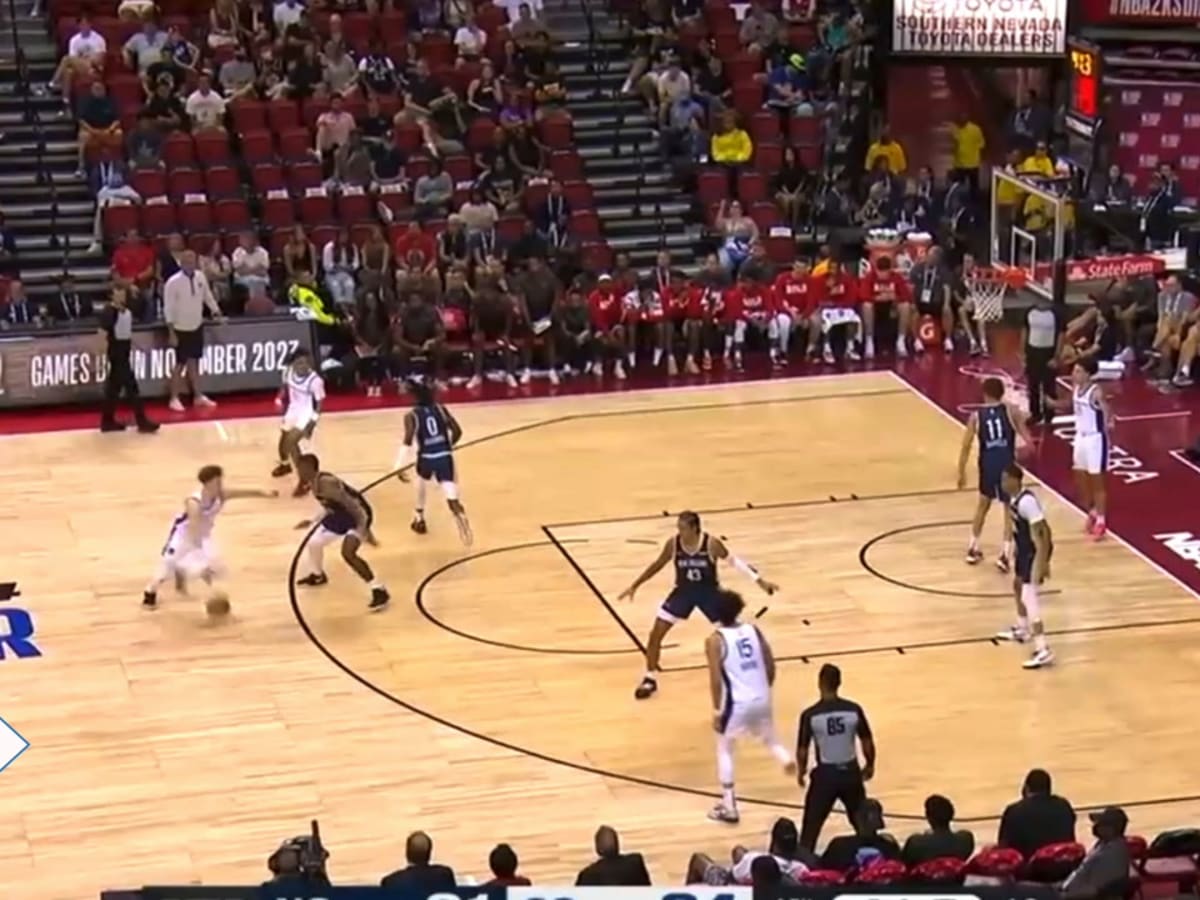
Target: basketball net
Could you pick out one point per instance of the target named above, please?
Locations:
(987, 287)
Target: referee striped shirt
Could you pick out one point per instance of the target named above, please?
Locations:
(834, 726)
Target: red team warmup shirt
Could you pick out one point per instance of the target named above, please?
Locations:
(796, 294)
(749, 300)
(886, 287)
(605, 308)
(837, 290)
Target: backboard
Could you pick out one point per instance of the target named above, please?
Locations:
(1029, 221)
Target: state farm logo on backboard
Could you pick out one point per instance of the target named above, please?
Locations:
(1113, 267)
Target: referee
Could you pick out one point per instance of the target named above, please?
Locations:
(1039, 342)
(116, 324)
(834, 725)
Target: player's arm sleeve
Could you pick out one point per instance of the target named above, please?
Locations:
(1030, 509)
(318, 391)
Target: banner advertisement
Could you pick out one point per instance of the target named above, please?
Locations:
(1164, 13)
(980, 28)
(54, 369)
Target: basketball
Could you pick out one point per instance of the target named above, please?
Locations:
(217, 604)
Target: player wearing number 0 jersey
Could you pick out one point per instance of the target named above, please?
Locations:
(434, 432)
(1035, 546)
(300, 397)
(997, 426)
(695, 555)
(1093, 424)
(741, 672)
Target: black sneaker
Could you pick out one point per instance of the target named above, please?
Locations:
(280, 470)
(147, 427)
(418, 525)
(647, 688)
(149, 599)
(379, 598)
(316, 579)
(112, 425)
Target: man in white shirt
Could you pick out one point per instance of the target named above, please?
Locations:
(333, 127)
(251, 265)
(186, 295)
(145, 48)
(85, 57)
(205, 107)
(285, 13)
(470, 39)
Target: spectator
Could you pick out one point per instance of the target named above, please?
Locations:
(222, 25)
(186, 295)
(526, 26)
(499, 186)
(436, 143)
(1105, 870)
(526, 153)
(731, 148)
(99, 125)
(184, 53)
(791, 185)
(793, 861)
(170, 259)
(9, 259)
(69, 305)
(759, 31)
(503, 860)
(339, 71)
(333, 130)
(370, 324)
(469, 40)
(135, 10)
(969, 144)
(145, 48)
(19, 311)
(84, 58)
(1170, 180)
(304, 75)
(787, 86)
(109, 183)
(299, 254)
(669, 88)
(422, 93)
(415, 254)
(452, 246)
(765, 878)
(1038, 163)
(340, 259)
(205, 107)
(165, 71)
(889, 150)
(217, 268)
(528, 246)
(553, 216)
(237, 75)
(433, 191)
(932, 291)
(612, 868)
(376, 260)
(144, 144)
(1176, 308)
(1157, 223)
(1038, 818)
(251, 265)
(286, 13)
(478, 213)
(649, 35)
(1111, 187)
(485, 94)
(737, 232)
(710, 86)
(165, 110)
(940, 841)
(133, 268)
(378, 72)
(426, 15)
(492, 315)
(352, 164)
(868, 843)
(417, 338)
(1031, 123)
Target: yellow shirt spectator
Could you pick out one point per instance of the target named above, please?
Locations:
(887, 149)
(969, 145)
(1039, 163)
(732, 147)
(1007, 193)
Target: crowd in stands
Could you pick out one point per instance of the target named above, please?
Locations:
(1036, 843)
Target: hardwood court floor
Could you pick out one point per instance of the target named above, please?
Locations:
(177, 750)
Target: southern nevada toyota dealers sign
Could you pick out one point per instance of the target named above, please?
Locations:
(980, 28)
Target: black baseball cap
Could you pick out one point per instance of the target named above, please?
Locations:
(1111, 816)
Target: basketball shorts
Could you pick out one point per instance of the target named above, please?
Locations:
(191, 560)
(680, 602)
(337, 525)
(296, 418)
(1023, 564)
(441, 470)
(1090, 453)
(989, 483)
(748, 719)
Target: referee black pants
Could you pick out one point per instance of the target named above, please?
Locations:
(121, 380)
(1041, 379)
(827, 784)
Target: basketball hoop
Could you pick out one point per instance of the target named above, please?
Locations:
(986, 288)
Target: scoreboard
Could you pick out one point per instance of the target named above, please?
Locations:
(1085, 85)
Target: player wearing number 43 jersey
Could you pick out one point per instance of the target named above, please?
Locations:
(741, 672)
(695, 555)
(998, 428)
(434, 432)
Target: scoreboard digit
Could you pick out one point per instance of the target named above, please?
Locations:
(1085, 82)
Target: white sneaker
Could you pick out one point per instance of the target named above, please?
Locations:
(827, 356)
(722, 813)
(919, 346)
(869, 350)
(206, 402)
(1039, 660)
(554, 376)
(175, 405)
(510, 380)
(524, 376)
(1014, 633)
(901, 350)
(948, 345)
(474, 383)
(619, 371)
(852, 353)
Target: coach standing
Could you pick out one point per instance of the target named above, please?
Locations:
(185, 296)
(116, 324)
(835, 726)
(1039, 345)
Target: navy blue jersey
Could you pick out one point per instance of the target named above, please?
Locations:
(338, 517)
(694, 570)
(997, 438)
(433, 435)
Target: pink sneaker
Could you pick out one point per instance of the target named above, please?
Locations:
(1090, 524)
(1099, 529)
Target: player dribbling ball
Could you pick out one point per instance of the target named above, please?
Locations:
(217, 604)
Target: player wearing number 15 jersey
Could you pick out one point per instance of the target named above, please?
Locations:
(741, 672)
(695, 555)
(434, 432)
(997, 427)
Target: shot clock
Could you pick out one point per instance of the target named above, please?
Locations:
(1085, 82)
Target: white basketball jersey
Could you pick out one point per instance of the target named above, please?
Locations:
(1088, 418)
(304, 391)
(744, 668)
(208, 516)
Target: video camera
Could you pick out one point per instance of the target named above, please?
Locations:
(310, 853)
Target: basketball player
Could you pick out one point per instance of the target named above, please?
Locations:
(997, 426)
(1093, 427)
(347, 518)
(741, 672)
(885, 292)
(300, 398)
(607, 315)
(695, 555)
(435, 433)
(798, 300)
(1035, 546)
(189, 551)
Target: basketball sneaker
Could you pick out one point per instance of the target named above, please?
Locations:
(974, 556)
(1014, 633)
(672, 366)
(1002, 563)
(282, 469)
(722, 813)
(646, 688)
(1090, 524)
(149, 599)
(1099, 529)
(869, 349)
(316, 579)
(418, 524)
(901, 349)
(1040, 659)
(689, 366)
(827, 355)
(379, 598)
(618, 371)
(852, 353)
